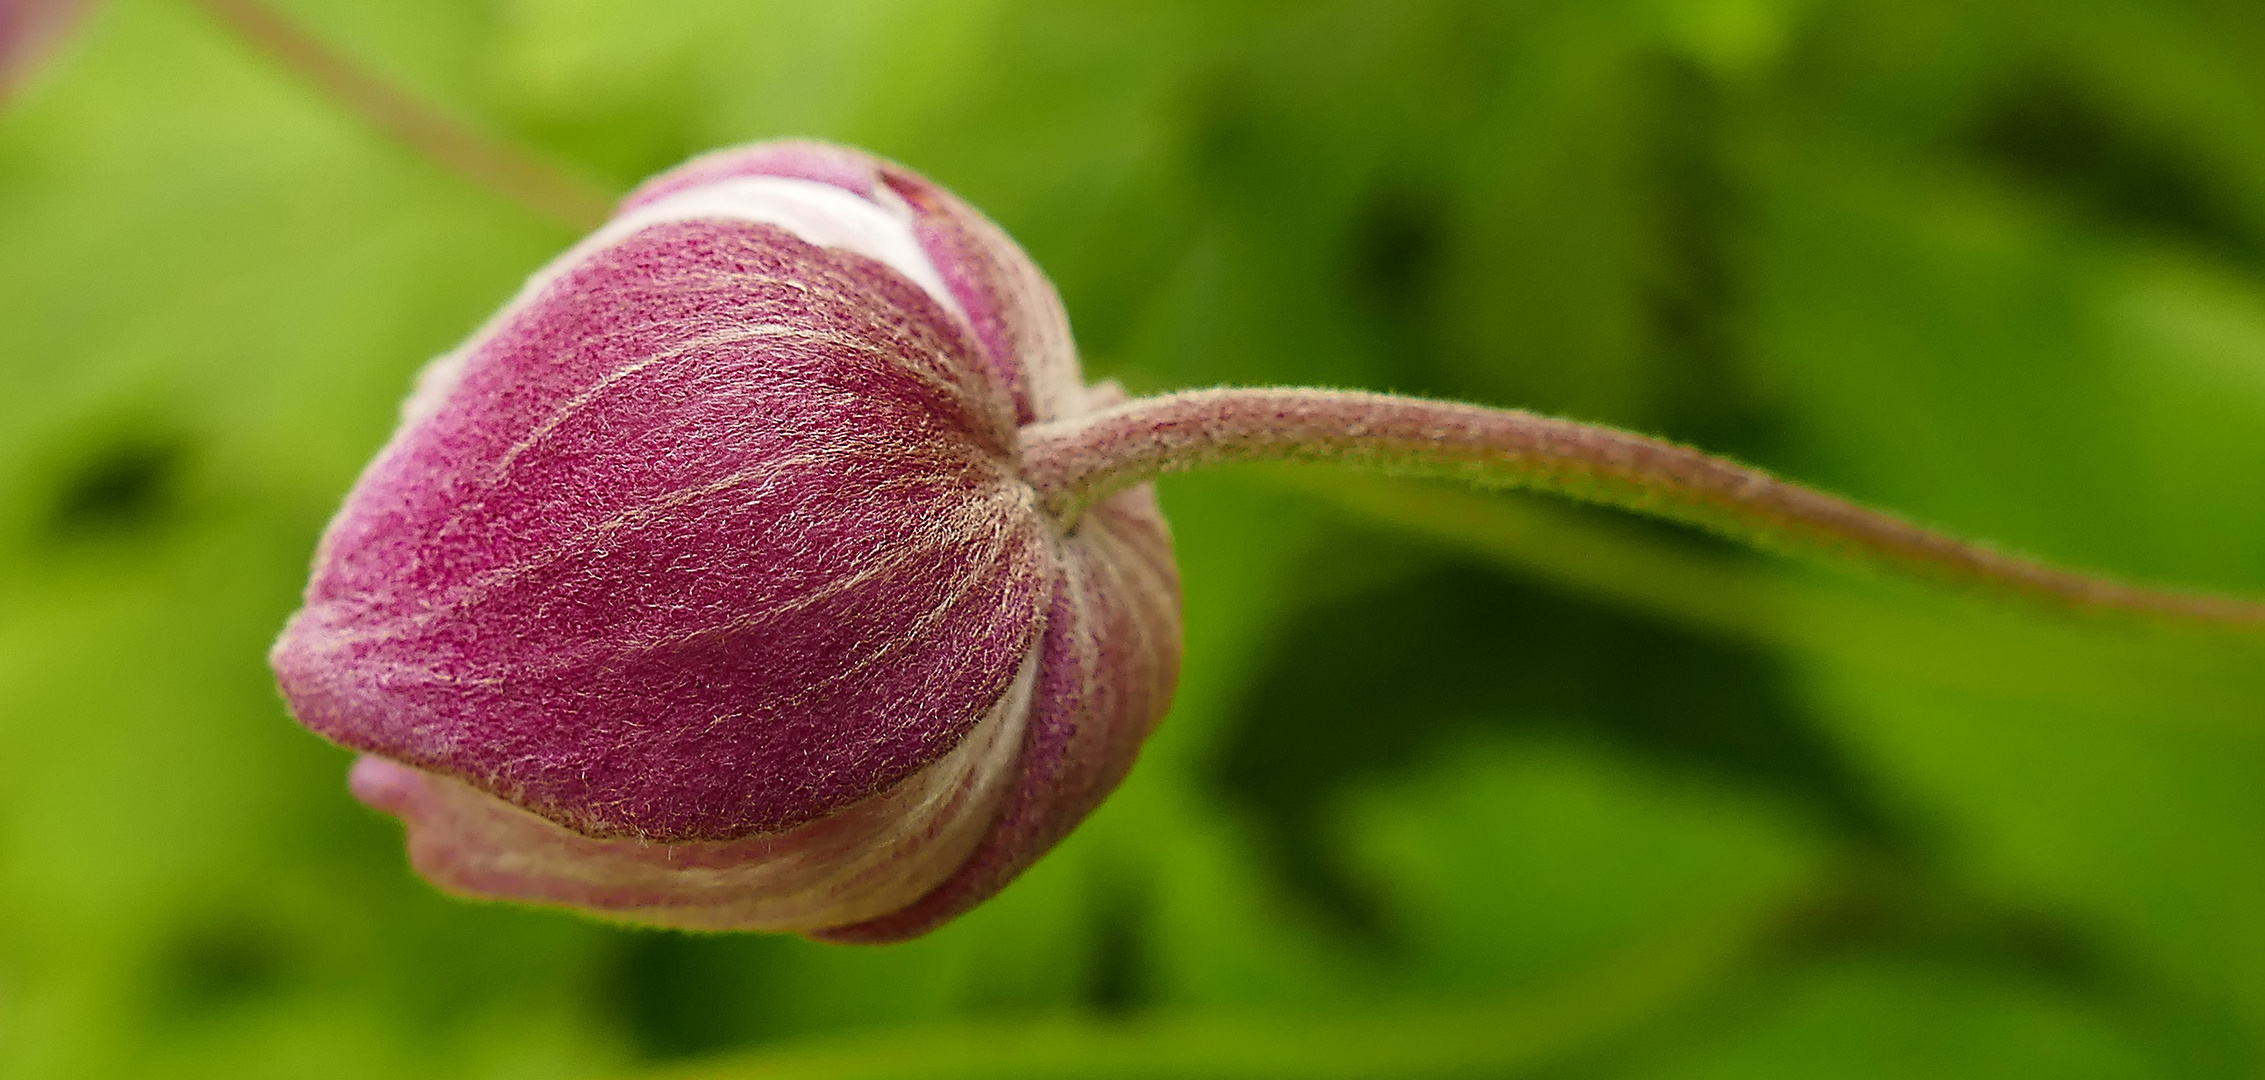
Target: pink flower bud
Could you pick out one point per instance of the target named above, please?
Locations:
(703, 587)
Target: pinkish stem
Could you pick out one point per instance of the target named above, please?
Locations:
(1074, 462)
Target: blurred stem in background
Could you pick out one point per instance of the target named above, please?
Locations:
(2141, 672)
(1638, 1002)
(499, 166)
(1598, 1010)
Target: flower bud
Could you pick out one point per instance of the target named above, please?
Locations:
(702, 587)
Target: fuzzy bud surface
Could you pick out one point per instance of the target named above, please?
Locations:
(702, 587)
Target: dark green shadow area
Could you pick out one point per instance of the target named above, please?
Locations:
(1372, 682)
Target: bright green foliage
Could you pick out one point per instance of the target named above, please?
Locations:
(1454, 784)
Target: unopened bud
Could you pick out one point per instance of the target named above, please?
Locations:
(703, 587)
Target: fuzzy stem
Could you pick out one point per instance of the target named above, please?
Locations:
(1074, 462)
(497, 166)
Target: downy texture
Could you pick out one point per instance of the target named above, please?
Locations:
(702, 587)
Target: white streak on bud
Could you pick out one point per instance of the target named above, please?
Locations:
(815, 213)
(820, 214)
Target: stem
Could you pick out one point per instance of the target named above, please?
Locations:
(497, 166)
(1074, 462)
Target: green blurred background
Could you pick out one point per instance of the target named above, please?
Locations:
(1454, 785)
